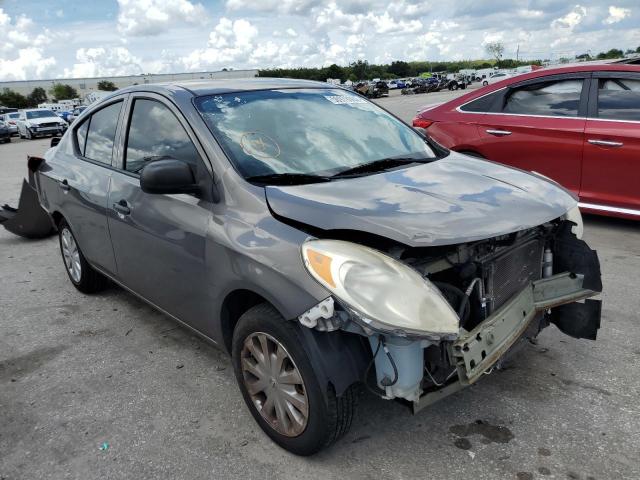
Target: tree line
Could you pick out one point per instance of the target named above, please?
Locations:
(59, 91)
(362, 70)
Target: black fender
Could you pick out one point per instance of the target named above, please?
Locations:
(570, 254)
(338, 358)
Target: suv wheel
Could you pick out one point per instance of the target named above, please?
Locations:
(280, 386)
(83, 276)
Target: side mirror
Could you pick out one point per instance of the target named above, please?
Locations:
(168, 176)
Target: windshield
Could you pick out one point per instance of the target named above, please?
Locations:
(13, 115)
(40, 114)
(306, 131)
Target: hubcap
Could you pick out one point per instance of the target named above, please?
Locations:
(71, 255)
(274, 384)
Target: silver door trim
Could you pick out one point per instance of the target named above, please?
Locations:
(607, 208)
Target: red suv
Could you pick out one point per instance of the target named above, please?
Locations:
(579, 125)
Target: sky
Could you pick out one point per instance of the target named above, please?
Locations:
(93, 38)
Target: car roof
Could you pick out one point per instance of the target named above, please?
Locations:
(574, 68)
(215, 87)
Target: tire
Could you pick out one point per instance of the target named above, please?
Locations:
(328, 417)
(83, 276)
(454, 86)
(28, 135)
(485, 83)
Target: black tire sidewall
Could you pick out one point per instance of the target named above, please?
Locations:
(264, 318)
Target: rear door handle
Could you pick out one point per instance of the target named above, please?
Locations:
(64, 185)
(499, 133)
(605, 143)
(122, 208)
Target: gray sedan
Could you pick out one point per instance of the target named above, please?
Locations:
(322, 242)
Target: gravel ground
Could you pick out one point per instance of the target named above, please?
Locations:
(102, 386)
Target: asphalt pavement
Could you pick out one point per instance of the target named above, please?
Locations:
(104, 387)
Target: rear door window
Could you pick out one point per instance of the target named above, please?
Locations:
(560, 98)
(155, 133)
(619, 99)
(101, 133)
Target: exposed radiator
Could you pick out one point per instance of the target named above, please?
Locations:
(510, 270)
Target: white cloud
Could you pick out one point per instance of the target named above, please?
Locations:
(100, 61)
(230, 42)
(571, 19)
(616, 14)
(291, 32)
(30, 63)
(299, 7)
(21, 49)
(152, 17)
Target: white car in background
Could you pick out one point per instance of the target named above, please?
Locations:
(498, 77)
(35, 122)
(11, 119)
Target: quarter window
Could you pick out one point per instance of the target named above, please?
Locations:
(482, 104)
(81, 136)
(554, 98)
(155, 133)
(101, 133)
(619, 99)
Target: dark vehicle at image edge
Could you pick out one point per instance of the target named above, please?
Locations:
(320, 253)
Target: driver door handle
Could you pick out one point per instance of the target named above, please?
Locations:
(64, 185)
(498, 133)
(122, 208)
(605, 143)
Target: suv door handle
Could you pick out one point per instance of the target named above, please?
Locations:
(64, 185)
(122, 208)
(605, 143)
(499, 133)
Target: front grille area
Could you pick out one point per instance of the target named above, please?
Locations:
(49, 124)
(508, 272)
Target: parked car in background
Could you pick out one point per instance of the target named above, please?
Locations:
(496, 77)
(579, 125)
(321, 241)
(37, 122)
(75, 113)
(11, 119)
(5, 134)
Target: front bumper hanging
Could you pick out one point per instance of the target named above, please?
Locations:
(475, 352)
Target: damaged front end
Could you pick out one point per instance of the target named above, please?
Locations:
(476, 302)
(29, 220)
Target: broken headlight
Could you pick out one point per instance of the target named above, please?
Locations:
(383, 293)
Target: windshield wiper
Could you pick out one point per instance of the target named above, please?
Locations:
(287, 179)
(379, 166)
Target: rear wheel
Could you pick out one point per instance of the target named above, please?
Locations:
(280, 386)
(83, 276)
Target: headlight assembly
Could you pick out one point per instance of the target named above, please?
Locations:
(575, 216)
(384, 293)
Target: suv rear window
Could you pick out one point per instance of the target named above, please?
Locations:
(559, 98)
(619, 99)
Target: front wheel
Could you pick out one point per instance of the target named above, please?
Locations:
(485, 83)
(280, 386)
(83, 276)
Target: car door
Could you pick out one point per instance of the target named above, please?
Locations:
(538, 125)
(611, 172)
(82, 171)
(160, 241)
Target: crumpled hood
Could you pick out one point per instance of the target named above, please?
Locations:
(453, 200)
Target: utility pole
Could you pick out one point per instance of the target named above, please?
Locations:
(518, 53)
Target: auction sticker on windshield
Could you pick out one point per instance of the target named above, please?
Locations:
(344, 99)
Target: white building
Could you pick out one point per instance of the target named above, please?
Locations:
(85, 86)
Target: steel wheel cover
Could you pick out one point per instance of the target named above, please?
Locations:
(274, 384)
(71, 255)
